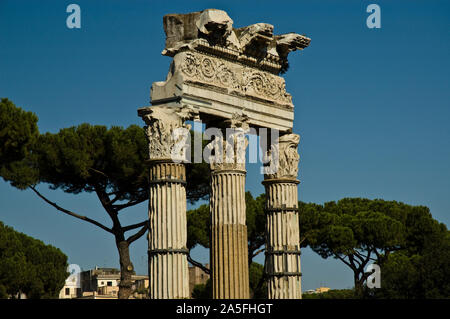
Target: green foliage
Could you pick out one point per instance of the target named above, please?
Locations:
(400, 276)
(202, 291)
(332, 294)
(18, 132)
(29, 266)
(258, 286)
(419, 272)
(197, 175)
(82, 158)
(3, 292)
(256, 224)
(352, 223)
(142, 291)
(435, 266)
(86, 157)
(358, 231)
(198, 227)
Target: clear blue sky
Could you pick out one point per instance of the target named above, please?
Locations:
(372, 106)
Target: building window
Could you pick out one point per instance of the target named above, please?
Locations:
(67, 291)
(109, 283)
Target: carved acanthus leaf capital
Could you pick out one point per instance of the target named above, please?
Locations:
(284, 158)
(167, 131)
(229, 148)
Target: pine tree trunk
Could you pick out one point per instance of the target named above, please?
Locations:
(126, 270)
(359, 286)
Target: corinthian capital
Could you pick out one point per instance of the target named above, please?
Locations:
(229, 150)
(284, 158)
(167, 131)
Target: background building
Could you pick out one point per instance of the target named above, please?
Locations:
(196, 277)
(72, 286)
(99, 283)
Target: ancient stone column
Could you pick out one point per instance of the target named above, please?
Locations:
(282, 229)
(167, 259)
(229, 249)
(220, 70)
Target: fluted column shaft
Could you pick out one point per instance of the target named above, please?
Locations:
(229, 250)
(168, 267)
(167, 235)
(282, 229)
(283, 241)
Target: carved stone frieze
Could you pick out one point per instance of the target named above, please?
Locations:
(234, 77)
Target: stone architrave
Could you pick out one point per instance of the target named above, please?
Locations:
(222, 70)
(168, 266)
(282, 228)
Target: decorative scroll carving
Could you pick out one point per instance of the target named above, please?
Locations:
(210, 70)
(284, 158)
(266, 85)
(165, 143)
(244, 80)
